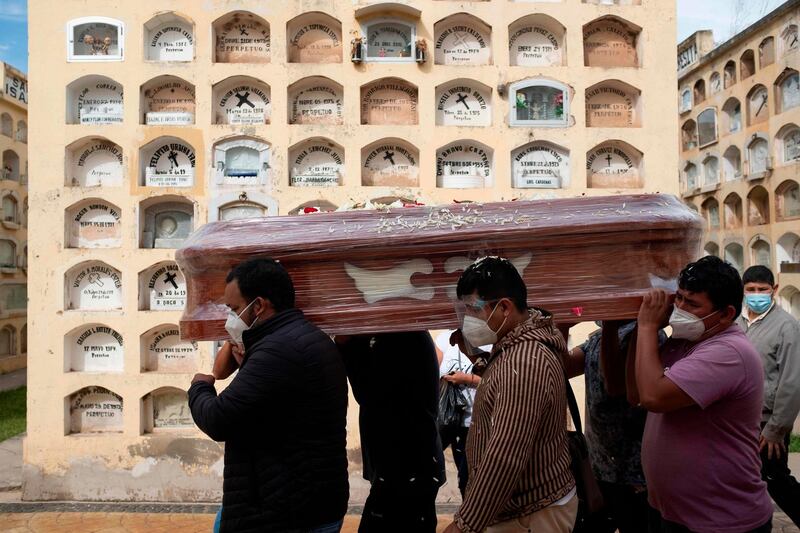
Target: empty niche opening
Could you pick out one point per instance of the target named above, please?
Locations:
(540, 165)
(537, 41)
(95, 39)
(613, 104)
(94, 162)
(614, 165)
(316, 162)
(314, 206)
(788, 89)
(611, 42)
(11, 218)
(315, 100)
(93, 410)
(92, 286)
(734, 254)
(758, 206)
(14, 299)
(167, 101)
(241, 37)
(94, 100)
(757, 105)
(165, 221)
(789, 253)
(162, 287)
(464, 164)
(463, 102)
(314, 38)
(242, 161)
(390, 163)
(166, 409)
(93, 223)
(162, 350)
(760, 252)
(241, 101)
(389, 101)
(94, 348)
(462, 39)
(11, 166)
(169, 37)
(732, 207)
(167, 162)
(9, 262)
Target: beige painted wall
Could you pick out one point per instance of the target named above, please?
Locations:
(184, 465)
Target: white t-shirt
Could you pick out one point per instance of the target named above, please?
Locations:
(455, 361)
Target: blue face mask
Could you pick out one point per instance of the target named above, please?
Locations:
(758, 303)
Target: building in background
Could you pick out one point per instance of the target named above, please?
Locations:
(739, 108)
(151, 123)
(14, 219)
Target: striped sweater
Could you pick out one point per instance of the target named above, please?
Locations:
(517, 450)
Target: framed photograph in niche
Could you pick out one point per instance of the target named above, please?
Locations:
(540, 102)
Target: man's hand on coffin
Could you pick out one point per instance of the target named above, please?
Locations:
(656, 309)
(452, 528)
(203, 377)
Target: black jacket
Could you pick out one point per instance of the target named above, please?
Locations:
(283, 420)
(395, 380)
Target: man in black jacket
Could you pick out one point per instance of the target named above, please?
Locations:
(400, 444)
(283, 416)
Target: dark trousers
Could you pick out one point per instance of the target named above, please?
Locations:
(625, 510)
(456, 439)
(659, 525)
(400, 507)
(782, 486)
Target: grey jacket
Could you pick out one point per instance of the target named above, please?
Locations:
(776, 336)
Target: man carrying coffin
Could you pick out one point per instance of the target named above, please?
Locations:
(519, 463)
(283, 416)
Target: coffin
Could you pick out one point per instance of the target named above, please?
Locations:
(381, 271)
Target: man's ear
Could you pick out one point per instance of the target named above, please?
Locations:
(729, 314)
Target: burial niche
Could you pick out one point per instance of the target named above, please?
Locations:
(462, 39)
(314, 38)
(166, 409)
(241, 209)
(94, 162)
(540, 165)
(94, 100)
(389, 101)
(614, 165)
(540, 102)
(95, 39)
(167, 162)
(537, 41)
(169, 37)
(390, 40)
(94, 223)
(94, 410)
(613, 104)
(165, 221)
(390, 163)
(316, 100)
(93, 286)
(464, 165)
(242, 161)
(167, 101)
(316, 163)
(241, 37)
(611, 42)
(164, 351)
(463, 103)
(162, 288)
(94, 348)
(242, 101)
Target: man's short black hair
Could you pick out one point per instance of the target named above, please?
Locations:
(494, 278)
(264, 277)
(758, 274)
(717, 278)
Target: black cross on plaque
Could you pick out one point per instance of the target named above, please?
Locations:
(243, 31)
(609, 159)
(389, 156)
(173, 158)
(169, 277)
(462, 99)
(244, 100)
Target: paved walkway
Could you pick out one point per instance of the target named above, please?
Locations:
(11, 463)
(14, 380)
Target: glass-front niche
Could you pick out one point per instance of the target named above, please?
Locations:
(541, 103)
(95, 39)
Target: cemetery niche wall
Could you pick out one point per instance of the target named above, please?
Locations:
(166, 409)
(94, 223)
(613, 104)
(241, 37)
(165, 221)
(169, 37)
(537, 41)
(94, 410)
(167, 162)
(462, 39)
(389, 101)
(316, 100)
(94, 100)
(463, 102)
(162, 288)
(94, 348)
(167, 101)
(314, 38)
(390, 163)
(463, 165)
(611, 42)
(242, 161)
(93, 286)
(94, 162)
(164, 351)
(540, 165)
(614, 165)
(316, 162)
(242, 101)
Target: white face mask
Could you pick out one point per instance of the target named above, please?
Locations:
(477, 332)
(235, 326)
(687, 326)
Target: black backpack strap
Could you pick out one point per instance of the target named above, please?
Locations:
(573, 407)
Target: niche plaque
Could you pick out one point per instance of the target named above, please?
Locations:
(461, 42)
(463, 165)
(540, 166)
(243, 39)
(532, 44)
(609, 43)
(317, 40)
(98, 163)
(317, 164)
(100, 103)
(167, 353)
(246, 103)
(170, 103)
(391, 165)
(464, 104)
(171, 41)
(95, 410)
(171, 410)
(96, 349)
(170, 164)
(166, 289)
(318, 103)
(613, 167)
(391, 101)
(610, 107)
(95, 225)
(94, 287)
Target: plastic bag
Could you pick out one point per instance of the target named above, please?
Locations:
(453, 405)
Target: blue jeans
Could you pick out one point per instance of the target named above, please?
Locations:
(335, 527)
(217, 520)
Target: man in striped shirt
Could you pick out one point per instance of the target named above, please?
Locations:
(519, 462)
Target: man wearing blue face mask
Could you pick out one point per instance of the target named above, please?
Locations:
(283, 416)
(776, 335)
(704, 390)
